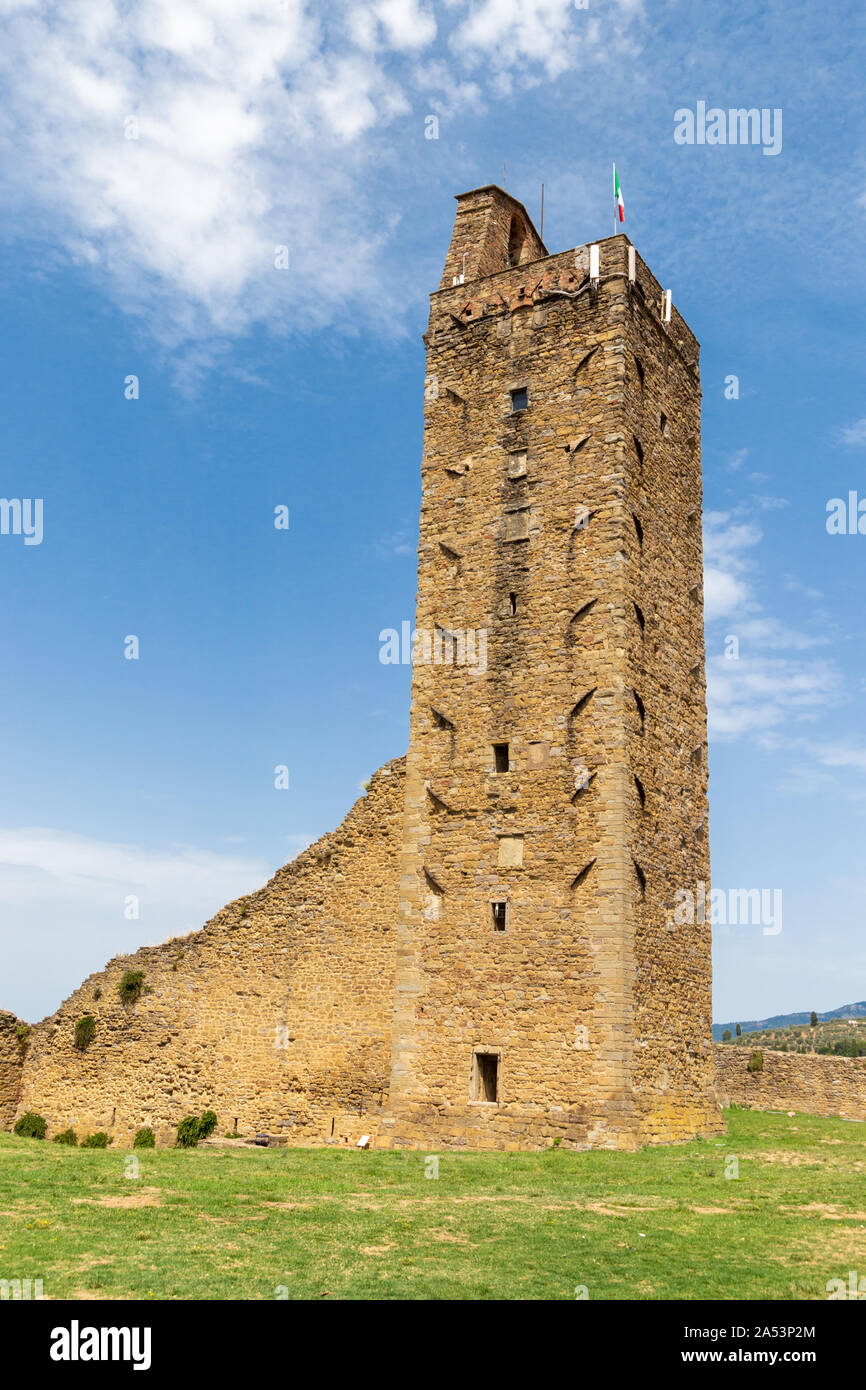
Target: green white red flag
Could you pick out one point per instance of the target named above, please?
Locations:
(619, 205)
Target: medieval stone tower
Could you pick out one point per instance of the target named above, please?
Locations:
(485, 952)
(556, 778)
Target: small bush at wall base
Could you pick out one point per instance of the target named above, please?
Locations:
(207, 1124)
(131, 986)
(66, 1136)
(192, 1129)
(95, 1141)
(187, 1132)
(756, 1062)
(84, 1031)
(144, 1139)
(30, 1126)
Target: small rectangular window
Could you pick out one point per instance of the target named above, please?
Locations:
(499, 915)
(484, 1085)
(500, 757)
(519, 398)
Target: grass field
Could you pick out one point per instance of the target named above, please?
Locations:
(322, 1223)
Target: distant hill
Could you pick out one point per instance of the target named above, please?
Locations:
(762, 1025)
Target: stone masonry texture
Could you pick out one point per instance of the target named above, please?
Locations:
(561, 519)
(483, 954)
(12, 1052)
(811, 1084)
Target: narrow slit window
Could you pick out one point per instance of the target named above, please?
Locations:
(641, 709)
(500, 757)
(641, 877)
(512, 603)
(519, 398)
(485, 1077)
(499, 914)
(663, 423)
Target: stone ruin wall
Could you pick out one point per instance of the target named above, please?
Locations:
(12, 1053)
(276, 1014)
(810, 1084)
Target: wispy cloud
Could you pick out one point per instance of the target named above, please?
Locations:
(170, 147)
(760, 686)
(69, 898)
(855, 435)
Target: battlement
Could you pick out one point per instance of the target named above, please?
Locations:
(498, 287)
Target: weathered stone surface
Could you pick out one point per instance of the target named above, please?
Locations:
(568, 533)
(277, 1014)
(805, 1082)
(11, 1068)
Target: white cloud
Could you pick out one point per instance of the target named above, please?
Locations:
(737, 459)
(759, 691)
(841, 755)
(723, 593)
(257, 124)
(855, 435)
(41, 865)
(71, 892)
(727, 542)
(756, 695)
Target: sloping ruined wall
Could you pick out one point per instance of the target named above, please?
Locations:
(812, 1084)
(277, 1014)
(11, 1065)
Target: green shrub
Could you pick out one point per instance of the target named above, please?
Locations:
(726, 1036)
(97, 993)
(66, 1136)
(207, 1124)
(756, 1062)
(144, 1139)
(84, 1031)
(131, 986)
(192, 1130)
(95, 1141)
(187, 1132)
(30, 1126)
(22, 1033)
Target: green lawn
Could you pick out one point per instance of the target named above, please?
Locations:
(322, 1223)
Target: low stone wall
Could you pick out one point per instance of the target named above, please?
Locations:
(11, 1067)
(812, 1084)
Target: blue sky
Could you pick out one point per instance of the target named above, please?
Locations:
(152, 157)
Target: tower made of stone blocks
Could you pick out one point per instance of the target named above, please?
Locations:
(556, 783)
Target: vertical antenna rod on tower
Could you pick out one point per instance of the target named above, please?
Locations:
(541, 232)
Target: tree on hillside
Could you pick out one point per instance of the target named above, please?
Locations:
(739, 1031)
(726, 1036)
(814, 1019)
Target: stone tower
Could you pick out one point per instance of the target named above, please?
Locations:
(556, 781)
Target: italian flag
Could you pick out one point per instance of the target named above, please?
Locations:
(617, 196)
